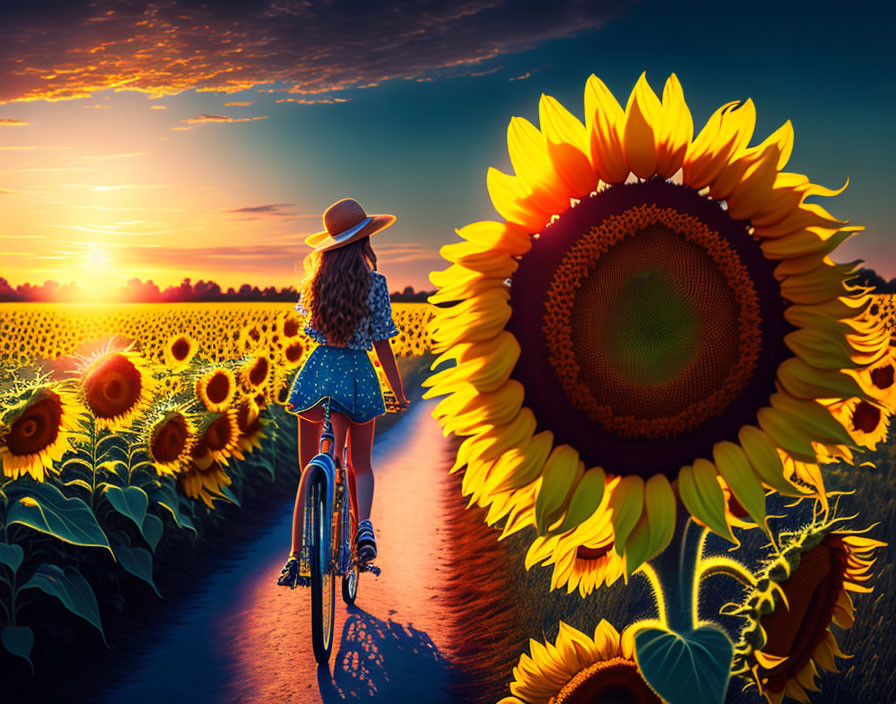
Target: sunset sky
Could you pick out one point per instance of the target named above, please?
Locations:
(184, 139)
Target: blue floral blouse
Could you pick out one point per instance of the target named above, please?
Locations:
(376, 325)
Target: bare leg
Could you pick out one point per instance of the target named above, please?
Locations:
(309, 442)
(361, 445)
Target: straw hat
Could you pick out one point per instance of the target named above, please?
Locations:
(345, 221)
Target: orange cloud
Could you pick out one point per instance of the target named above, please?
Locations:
(203, 119)
(8, 122)
(75, 50)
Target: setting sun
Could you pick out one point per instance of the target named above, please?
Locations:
(100, 281)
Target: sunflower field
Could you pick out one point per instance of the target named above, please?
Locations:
(653, 346)
(120, 423)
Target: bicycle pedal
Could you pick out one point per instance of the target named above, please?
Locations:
(370, 567)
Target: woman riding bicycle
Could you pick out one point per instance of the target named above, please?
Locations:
(347, 302)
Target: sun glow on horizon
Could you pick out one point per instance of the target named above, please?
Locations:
(100, 281)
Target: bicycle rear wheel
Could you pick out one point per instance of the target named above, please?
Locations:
(323, 585)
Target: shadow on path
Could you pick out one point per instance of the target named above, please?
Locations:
(383, 661)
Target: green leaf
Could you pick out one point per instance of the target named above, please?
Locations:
(153, 527)
(187, 522)
(137, 561)
(688, 667)
(70, 587)
(109, 467)
(78, 461)
(46, 509)
(79, 482)
(11, 555)
(19, 640)
(130, 501)
(268, 465)
(166, 495)
(228, 494)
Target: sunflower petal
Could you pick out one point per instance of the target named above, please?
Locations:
(561, 472)
(510, 200)
(655, 527)
(814, 417)
(786, 434)
(642, 115)
(626, 503)
(520, 466)
(497, 236)
(567, 144)
(676, 129)
(605, 118)
(735, 469)
(702, 496)
(755, 185)
(727, 131)
(586, 499)
(806, 382)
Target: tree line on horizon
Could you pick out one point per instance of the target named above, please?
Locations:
(137, 291)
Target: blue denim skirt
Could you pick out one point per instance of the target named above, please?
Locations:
(346, 376)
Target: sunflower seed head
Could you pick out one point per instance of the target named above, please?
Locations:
(573, 202)
(704, 192)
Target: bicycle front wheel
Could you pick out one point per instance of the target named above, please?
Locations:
(350, 585)
(323, 585)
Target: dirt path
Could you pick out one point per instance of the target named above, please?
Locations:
(244, 639)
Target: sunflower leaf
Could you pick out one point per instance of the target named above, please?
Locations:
(130, 501)
(46, 509)
(166, 495)
(76, 461)
(70, 587)
(19, 640)
(228, 494)
(11, 555)
(682, 668)
(79, 482)
(137, 561)
(152, 530)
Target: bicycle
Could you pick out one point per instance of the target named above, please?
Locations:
(330, 523)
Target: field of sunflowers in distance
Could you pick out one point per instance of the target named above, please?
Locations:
(121, 424)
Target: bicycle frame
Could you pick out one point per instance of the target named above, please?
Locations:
(336, 483)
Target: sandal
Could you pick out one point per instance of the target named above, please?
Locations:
(289, 573)
(366, 541)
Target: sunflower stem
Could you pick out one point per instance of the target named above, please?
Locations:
(675, 568)
(92, 459)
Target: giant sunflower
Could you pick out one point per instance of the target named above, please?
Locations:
(36, 423)
(577, 669)
(803, 589)
(663, 305)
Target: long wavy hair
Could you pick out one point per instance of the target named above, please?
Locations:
(335, 289)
